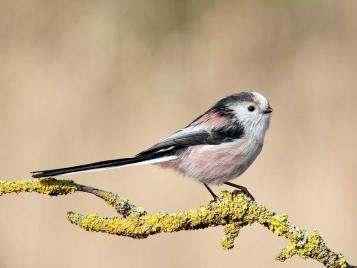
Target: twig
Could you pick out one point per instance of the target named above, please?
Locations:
(232, 210)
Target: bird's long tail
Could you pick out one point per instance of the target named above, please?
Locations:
(107, 164)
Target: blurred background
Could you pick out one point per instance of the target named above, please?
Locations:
(83, 81)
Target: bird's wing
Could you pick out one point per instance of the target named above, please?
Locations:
(186, 137)
(210, 129)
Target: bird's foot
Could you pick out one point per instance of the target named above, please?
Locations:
(235, 192)
(215, 197)
(240, 189)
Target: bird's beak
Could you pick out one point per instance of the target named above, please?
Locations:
(268, 110)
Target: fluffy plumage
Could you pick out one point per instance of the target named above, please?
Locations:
(216, 147)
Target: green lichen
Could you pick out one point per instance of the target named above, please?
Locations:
(233, 211)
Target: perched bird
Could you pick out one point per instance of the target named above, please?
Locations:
(215, 148)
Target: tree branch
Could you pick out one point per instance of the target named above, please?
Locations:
(231, 210)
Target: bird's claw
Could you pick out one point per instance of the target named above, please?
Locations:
(242, 191)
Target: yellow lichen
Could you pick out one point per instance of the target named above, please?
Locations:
(231, 231)
(48, 186)
(122, 205)
(233, 211)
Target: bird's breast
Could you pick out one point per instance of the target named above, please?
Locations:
(217, 163)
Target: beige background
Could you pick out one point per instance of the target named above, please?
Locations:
(83, 81)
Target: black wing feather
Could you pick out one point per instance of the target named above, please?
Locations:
(187, 139)
(200, 137)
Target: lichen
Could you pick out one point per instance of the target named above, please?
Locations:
(231, 210)
(48, 186)
(231, 232)
(122, 205)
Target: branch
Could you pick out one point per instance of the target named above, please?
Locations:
(231, 210)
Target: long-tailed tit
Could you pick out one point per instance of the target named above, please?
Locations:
(215, 148)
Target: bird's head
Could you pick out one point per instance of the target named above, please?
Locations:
(250, 109)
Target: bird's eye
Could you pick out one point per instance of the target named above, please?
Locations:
(251, 108)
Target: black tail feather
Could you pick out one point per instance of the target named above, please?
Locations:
(96, 165)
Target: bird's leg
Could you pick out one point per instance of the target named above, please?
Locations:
(241, 189)
(211, 192)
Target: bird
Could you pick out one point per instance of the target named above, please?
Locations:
(215, 148)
